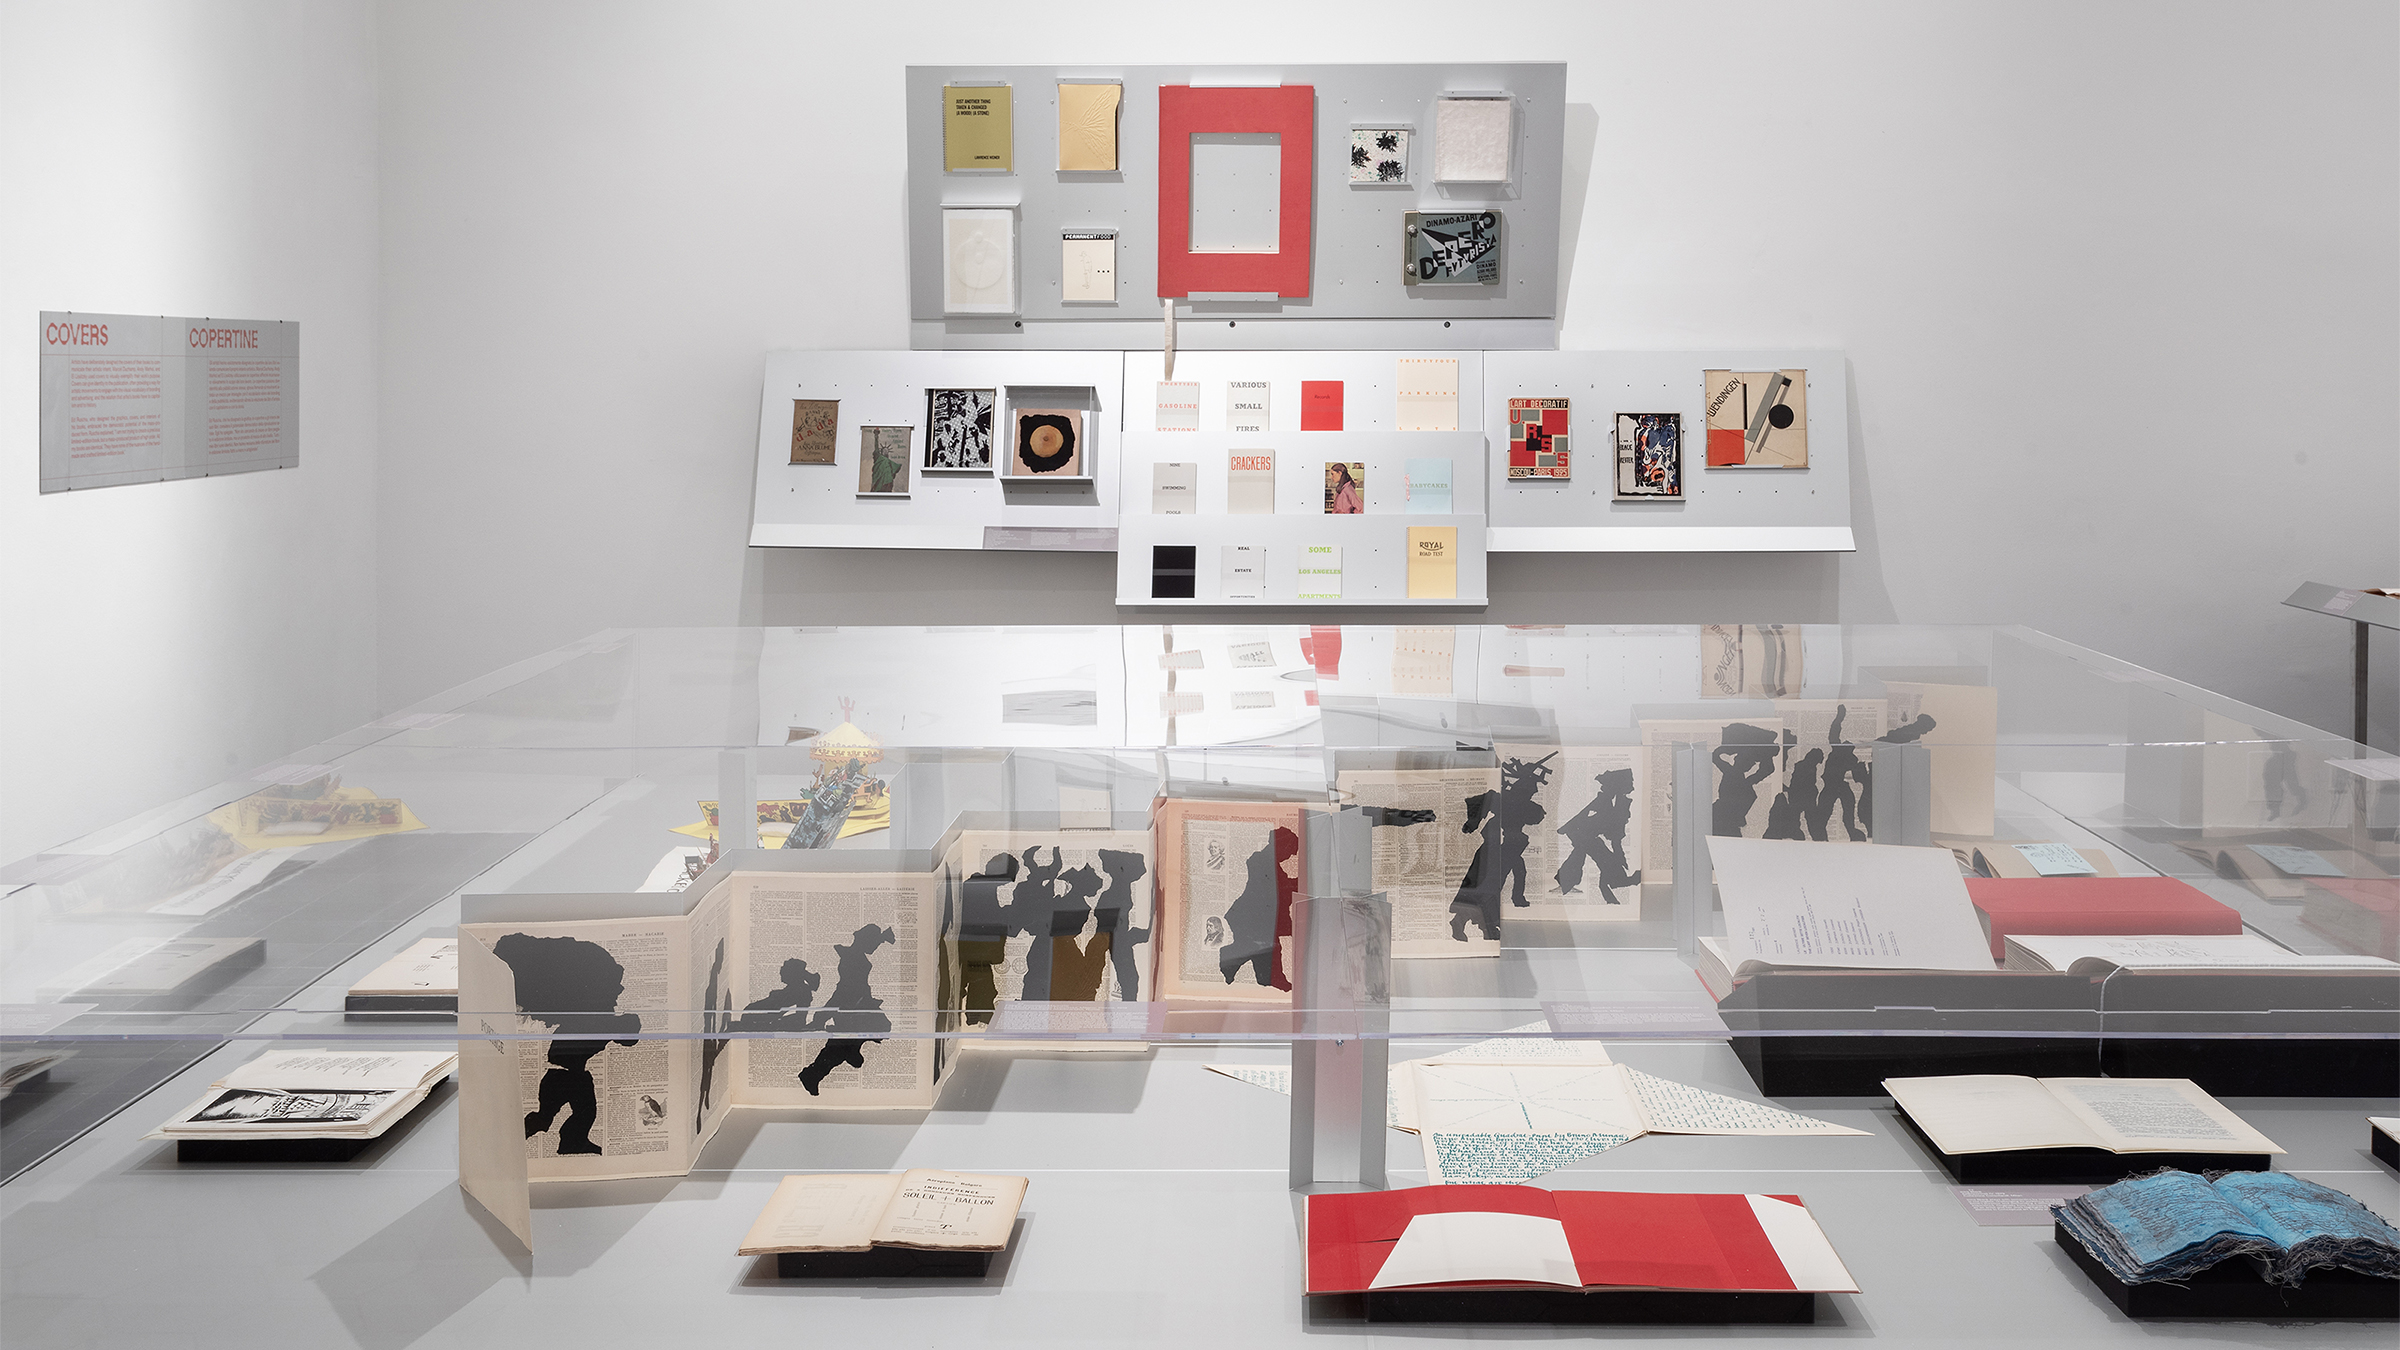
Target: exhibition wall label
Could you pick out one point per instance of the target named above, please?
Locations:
(141, 398)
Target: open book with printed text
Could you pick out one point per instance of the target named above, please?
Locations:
(922, 1208)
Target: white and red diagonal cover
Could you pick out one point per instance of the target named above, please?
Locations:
(1617, 1239)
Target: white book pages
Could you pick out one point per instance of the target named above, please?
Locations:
(1514, 1122)
(1856, 906)
(951, 1211)
(821, 1214)
(1989, 1113)
(2156, 1115)
(343, 1070)
(1478, 1245)
(429, 966)
(1808, 1258)
(1669, 1107)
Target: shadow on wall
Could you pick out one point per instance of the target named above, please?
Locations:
(1863, 595)
(1575, 169)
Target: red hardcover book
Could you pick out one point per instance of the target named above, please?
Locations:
(1469, 1237)
(2094, 907)
(1320, 405)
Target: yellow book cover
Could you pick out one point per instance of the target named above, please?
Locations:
(1433, 562)
(1087, 127)
(976, 130)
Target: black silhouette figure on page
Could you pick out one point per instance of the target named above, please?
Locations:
(1478, 898)
(1520, 810)
(1112, 918)
(1262, 914)
(1842, 784)
(1596, 835)
(572, 985)
(1788, 815)
(1045, 909)
(1069, 970)
(851, 1008)
(716, 1003)
(983, 928)
(785, 1007)
(1745, 757)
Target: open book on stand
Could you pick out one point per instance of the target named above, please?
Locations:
(850, 1214)
(305, 1105)
(2003, 1127)
(422, 980)
(1799, 905)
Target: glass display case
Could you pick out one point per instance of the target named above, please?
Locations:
(1176, 921)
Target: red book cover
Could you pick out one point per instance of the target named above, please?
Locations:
(1320, 405)
(2094, 907)
(1615, 1239)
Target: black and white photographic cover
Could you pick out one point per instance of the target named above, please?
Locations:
(1571, 827)
(1436, 850)
(308, 1094)
(958, 430)
(1052, 916)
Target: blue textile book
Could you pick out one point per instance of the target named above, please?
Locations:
(2173, 1225)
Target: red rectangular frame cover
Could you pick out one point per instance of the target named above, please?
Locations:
(1289, 112)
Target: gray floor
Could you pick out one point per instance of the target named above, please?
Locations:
(1158, 1214)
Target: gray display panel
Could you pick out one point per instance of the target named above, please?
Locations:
(1722, 511)
(1357, 297)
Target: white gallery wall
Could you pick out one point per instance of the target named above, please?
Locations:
(168, 157)
(2119, 284)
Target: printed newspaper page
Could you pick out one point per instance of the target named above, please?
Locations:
(834, 965)
(1228, 872)
(833, 1213)
(951, 1211)
(597, 1098)
(1743, 755)
(709, 1067)
(1060, 916)
(1571, 826)
(1443, 874)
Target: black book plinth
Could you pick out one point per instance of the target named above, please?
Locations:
(2246, 1034)
(882, 1263)
(400, 1008)
(1632, 1307)
(2236, 1288)
(271, 1150)
(1841, 1033)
